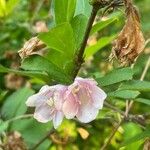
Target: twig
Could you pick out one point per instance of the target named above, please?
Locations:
(43, 139)
(114, 108)
(112, 135)
(130, 117)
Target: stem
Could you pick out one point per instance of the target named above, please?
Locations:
(79, 60)
(20, 117)
(131, 117)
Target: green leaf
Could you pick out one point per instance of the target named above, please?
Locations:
(32, 132)
(15, 103)
(83, 7)
(79, 26)
(116, 76)
(61, 38)
(143, 100)
(136, 85)
(101, 43)
(42, 76)
(2, 8)
(39, 63)
(10, 5)
(3, 126)
(137, 137)
(64, 10)
(124, 94)
(57, 38)
(102, 24)
(2, 95)
(130, 130)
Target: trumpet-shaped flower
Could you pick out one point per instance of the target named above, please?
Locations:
(48, 104)
(83, 99)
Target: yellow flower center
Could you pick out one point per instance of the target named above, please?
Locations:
(50, 102)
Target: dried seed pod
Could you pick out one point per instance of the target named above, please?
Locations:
(147, 144)
(31, 47)
(13, 141)
(13, 81)
(130, 42)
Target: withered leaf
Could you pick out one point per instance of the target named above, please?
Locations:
(130, 41)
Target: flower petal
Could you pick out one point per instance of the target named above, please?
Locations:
(40, 97)
(44, 88)
(59, 96)
(87, 113)
(70, 106)
(32, 100)
(44, 113)
(57, 120)
(87, 81)
(98, 97)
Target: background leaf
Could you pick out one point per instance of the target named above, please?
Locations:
(57, 39)
(79, 24)
(131, 130)
(83, 7)
(64, 10)
(143, 100)
(136, 85)
(15, 103)
(3, 126)
(116, 76)
(102, 24)
(101, 43)
(124, 94)
(39, 63)
(34, 74)
(11, 4)
(137, 137)
(32, 131)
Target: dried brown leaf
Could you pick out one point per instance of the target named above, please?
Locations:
(130, 41)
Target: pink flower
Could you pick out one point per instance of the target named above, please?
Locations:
(48, 104)
(83, 99)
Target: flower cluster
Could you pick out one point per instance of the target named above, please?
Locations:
(82, 100)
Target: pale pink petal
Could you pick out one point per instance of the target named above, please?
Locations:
(57, 119)
(84, 96)
(87, 113)
(40, 97)
(98, 97)
(44, 113)
(86, 81)
(44, 88)
(59, 96)
(70, 106)
(34, 99)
